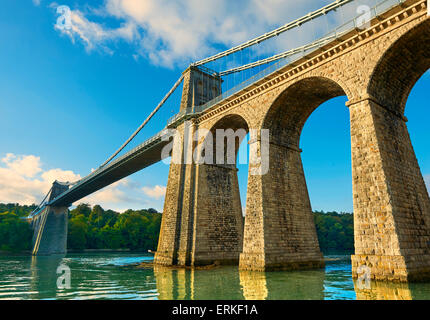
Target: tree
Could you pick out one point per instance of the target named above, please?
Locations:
(83, 208)
(335, 231)
(89, 228)
(15, 234)
(78, 228)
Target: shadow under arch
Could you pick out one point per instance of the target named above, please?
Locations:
(280, 232)
(397, 71)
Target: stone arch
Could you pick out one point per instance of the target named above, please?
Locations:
(278, 207)
(288, 113)
(400, 67)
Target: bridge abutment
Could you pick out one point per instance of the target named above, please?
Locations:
(50, 226)
(391, 203)
(50, 232)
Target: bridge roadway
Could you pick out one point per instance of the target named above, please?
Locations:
(144, 155)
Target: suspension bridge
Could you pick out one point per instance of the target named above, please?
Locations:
(361, 49)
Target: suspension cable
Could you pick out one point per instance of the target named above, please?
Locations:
(41, 203)
(146, 121)
(312, 15)
(277, 56)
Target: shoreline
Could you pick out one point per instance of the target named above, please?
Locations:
(101, 250)
(28, 252)
(150, 265)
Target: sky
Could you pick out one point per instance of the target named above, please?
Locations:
(69, 98)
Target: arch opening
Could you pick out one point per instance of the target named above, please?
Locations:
(240, 130)
(326, 144)
(418, 115)
(292, 108)
(405, 61)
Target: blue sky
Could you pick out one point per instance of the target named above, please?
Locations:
(68, 100)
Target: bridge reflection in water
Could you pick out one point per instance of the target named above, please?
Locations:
(44, 275)
(392, 291)
(383, 291)
(181, 284)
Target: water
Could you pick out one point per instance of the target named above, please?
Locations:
(110, 276)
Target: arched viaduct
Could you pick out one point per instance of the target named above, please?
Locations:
(375, 69)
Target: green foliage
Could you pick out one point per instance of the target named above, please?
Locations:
(83, 208)
(335, 231)
(77, 231)
(15, 233)
(99, 229)
(20, 211)
(95, 228)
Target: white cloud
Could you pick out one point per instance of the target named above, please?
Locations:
(427, 182)
(36, 2)
(156, 192)
(178, 32)
(93, 34)
(24, 180)
(28, 166)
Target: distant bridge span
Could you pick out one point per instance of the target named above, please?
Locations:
(135, 160)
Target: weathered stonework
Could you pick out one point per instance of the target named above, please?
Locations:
(279, 228)
(392, 207)
(202, 218)
(376, 69)
(199, 87)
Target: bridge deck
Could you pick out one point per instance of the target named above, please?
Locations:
(140, 157)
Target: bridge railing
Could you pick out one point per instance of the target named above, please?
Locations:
(289, 57)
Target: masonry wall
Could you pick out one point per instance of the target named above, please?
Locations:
(391, 203)
(218, 216)
(285, 220)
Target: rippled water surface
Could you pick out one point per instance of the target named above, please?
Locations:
(112, 276)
